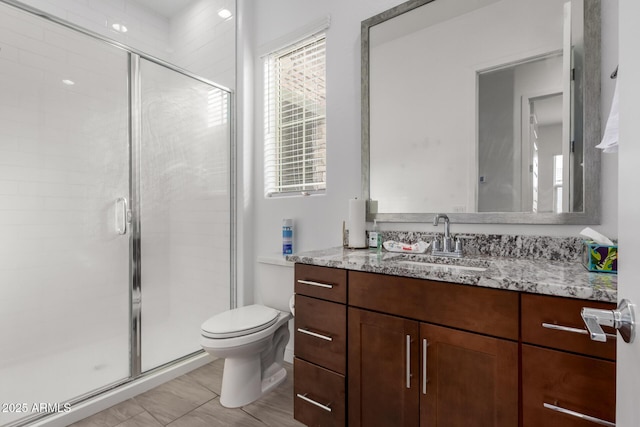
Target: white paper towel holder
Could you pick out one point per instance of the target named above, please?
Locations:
(357, 237)
(345, 239)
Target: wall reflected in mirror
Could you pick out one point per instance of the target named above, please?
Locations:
(477, 107)
(522, 161)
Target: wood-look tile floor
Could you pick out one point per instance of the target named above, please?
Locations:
(192, 400)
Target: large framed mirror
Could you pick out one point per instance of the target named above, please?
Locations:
(486, 110)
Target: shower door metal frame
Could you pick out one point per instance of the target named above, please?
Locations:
(135, 252)
(135, 277)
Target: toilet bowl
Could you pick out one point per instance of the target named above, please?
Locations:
(252, 341)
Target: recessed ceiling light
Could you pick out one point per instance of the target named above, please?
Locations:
(119, 28)
(224, 13)
(68, 82)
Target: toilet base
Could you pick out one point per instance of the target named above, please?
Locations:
(241, 382)
(274, 380)
(253, 363)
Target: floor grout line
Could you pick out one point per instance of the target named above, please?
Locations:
(253, 416)
(278, 411)
(194, 409)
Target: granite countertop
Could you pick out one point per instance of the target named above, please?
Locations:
(539, 276)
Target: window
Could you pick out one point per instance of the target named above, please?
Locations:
(557, 183)
(295, 122)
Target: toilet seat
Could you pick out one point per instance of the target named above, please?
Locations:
(240, 321)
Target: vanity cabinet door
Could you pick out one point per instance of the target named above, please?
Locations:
(470, 379)
(383, 370)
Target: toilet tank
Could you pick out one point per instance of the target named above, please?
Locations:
(274, 282)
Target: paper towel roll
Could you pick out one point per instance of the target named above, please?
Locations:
(357, 224)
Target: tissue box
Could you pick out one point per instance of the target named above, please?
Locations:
(599, 258)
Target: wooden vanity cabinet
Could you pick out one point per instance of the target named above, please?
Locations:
(407, 372)
(566, 377)
(398, 351)
(320, 345)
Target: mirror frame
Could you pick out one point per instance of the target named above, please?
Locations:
(591, 132)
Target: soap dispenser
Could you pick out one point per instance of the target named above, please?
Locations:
(375, 237)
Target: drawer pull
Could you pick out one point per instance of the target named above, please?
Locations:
(579, 415)
(425, 344)
(318, 284)
(408, 361)
(313, 402)
(570, 329)
(314, 334)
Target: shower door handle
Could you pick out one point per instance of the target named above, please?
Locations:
(122, 215)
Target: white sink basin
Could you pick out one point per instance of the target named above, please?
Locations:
(468, 264)
(451, 266)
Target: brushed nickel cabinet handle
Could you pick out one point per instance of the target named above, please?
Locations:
(313, 402)
(573, 330)
(579, 415)
(408, 361)
(425, 344)
(317, 284)
(315, 334)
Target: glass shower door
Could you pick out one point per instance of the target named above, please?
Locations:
(64, 253)
(184, 210)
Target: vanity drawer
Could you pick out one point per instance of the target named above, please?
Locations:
(318, 395)
(545, 320)
(563, 381)
(321, 282)
(321, 332)
(487, 311)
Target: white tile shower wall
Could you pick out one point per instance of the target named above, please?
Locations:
(63, 163)
(148, 31)
(195, 39)
(203, 42)
(58, 247)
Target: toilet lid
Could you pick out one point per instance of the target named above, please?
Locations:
(240, 321)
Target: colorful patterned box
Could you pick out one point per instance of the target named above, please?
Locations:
(599, 258)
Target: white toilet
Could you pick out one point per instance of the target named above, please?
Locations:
(252, 340)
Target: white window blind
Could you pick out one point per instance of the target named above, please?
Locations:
(295, 122)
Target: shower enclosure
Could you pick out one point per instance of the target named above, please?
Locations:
(115, 214)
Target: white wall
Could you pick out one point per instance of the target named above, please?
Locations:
(319, 218)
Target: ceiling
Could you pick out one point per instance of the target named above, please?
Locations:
(167, 8)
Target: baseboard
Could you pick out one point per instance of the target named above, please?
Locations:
(120, 394)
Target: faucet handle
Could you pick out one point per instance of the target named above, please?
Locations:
(458, 245)
(435, 245)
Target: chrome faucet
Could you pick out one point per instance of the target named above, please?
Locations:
(447, 242)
